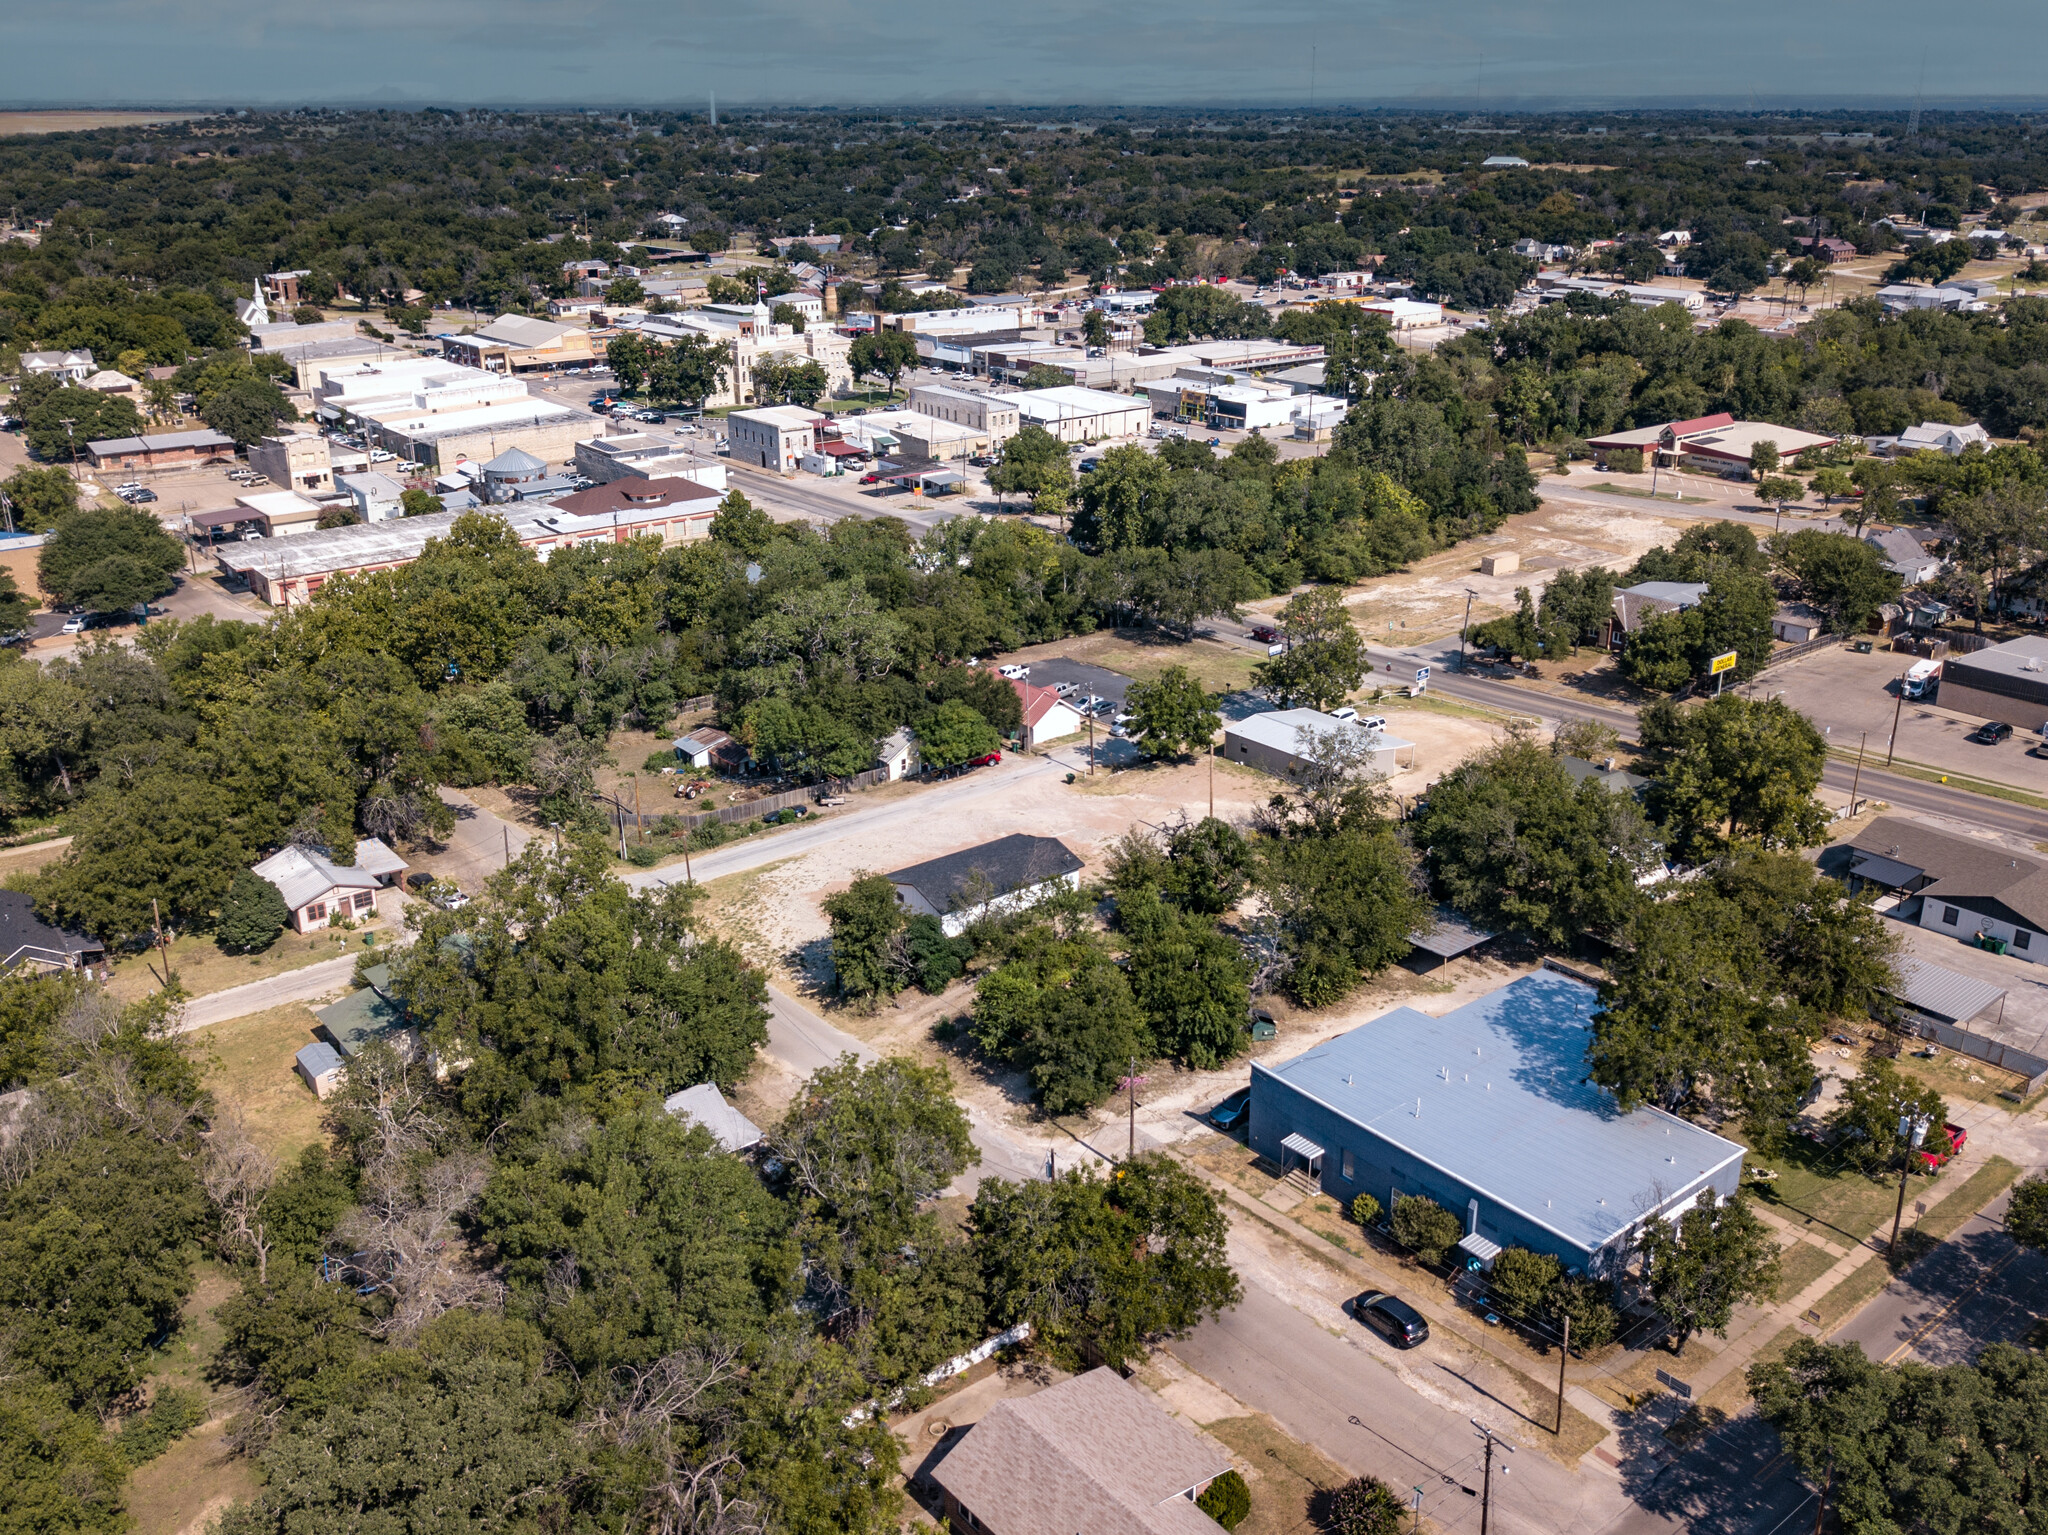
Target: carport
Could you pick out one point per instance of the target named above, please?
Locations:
(1449, 936)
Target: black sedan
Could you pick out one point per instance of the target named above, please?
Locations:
(1991, 733)
(1232, 1111)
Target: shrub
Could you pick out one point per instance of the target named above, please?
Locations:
(643, 855)
(1523, 1280)
(710, 834)
(1626, 460)
(1365, 1210)
(1226, 1500)
(252, 915)
(1365, 1505)
(171, 1414)
(658, 760)
(1425, 1227)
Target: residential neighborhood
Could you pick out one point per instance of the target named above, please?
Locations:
(781, 817)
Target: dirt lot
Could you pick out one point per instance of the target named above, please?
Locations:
(80, 122)
(1428, 598)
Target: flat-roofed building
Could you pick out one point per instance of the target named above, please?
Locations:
(1073, 414)
(297, 460)
(1487, 1111)
(994, 416)
(287, 572)
(1718, 442)
(774, 437)
(1282, 741)
(443, 439)
(636, 455)
(281, 512)
(2006, 682)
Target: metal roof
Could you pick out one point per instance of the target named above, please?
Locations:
(1301, 1146)
(1296, 730)
(1944, 994)
(1495, 1095)
(1880, 870)
(705, 1105)
(1449, 936)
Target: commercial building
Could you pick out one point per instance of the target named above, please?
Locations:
(2006, 682)
(280, 512)
(1718, 442)
(298, 460)
(375, 497)
(160, 450)
(1094, 1454)
(637, 456)
(321, 892)
(517, 344)
(1488, 1112)
(914, 433)
(994, 416)
(774, 437)
(287, 572)
(1006, 875)
(1281, 741)
(751, 338)
(1957, 887)
(1073, 414)
(287, 335)
(1551, 287)
(1405, 313)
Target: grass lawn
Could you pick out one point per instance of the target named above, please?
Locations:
(1285, 1476)
(202, 968)
(248, 1062)
(1839, 1204)
(1219, 668)
(1800, 1265)
(1940, 1223)
(1961, 1078)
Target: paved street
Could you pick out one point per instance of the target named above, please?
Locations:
(1333, 1390)
(1978, 1288)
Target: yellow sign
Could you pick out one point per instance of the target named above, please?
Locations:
(1725, 662)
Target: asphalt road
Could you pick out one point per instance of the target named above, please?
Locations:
(1901, 792)
(1342, 1393)
(1978, 1288)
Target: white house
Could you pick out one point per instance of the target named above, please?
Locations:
(705, 1105)
(897, 755)
(1905, 556)
(320, 891)
(1280, 741)
(1008, 874)
(66, 367)
(1047, 716)
(1938, 437)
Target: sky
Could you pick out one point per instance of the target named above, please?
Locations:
(1285, 53)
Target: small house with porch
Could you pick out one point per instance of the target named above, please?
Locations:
(321, 892)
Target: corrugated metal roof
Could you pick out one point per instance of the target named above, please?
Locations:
(1944, 994)
(1449, 936)
(1495, 1094)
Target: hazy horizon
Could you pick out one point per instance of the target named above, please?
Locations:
(791, 54)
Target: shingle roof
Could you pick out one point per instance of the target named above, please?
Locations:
(1090, 1456)
(363, 1015)
(1015, 862)
(24, 935)
(1985, 877)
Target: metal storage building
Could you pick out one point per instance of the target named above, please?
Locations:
(1487, 1111)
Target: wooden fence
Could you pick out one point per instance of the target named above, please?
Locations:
(768, 804)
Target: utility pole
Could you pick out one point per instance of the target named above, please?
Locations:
(507, 831)
(1564, 1351)
(1914, 1132)
(640, 826)
(163, 949)
(1891, 745)
(1212, 780)
(1091, 743)
(1486, 1482)
(1857, 782)
(1465, 629)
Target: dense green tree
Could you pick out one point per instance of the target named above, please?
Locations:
(1874, 1104)
(59, 1473)
(1104, 1266)
(559, 973)
(2026, 1215)
(252, 914)
(1174, 715)
(866, 918)
(955, 733)
(1735, 771)
(64, 421)
(1365, 1505)
(1324, 660)
(1035, 465)
(883, 354)
(1515, 843)
(1189, 980)
(1062, 1011)
(246, 409)
(1700, 1267)
(1842, 576)
(1425, 1227)
(106, 561)
(39, 499)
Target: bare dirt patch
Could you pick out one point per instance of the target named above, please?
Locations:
(82, 122)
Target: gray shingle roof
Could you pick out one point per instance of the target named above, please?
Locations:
(1985, 877)
(1016, 862)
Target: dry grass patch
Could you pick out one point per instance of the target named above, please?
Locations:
(1283, 1473)
(202, 968)
(1800, 1265)
(248, 1063)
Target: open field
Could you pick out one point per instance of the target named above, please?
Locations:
(202, 968)
(248, 1064)
(80, 122)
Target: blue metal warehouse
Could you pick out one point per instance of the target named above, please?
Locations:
(1487, 1111)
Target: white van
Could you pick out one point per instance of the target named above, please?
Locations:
(1922, 677)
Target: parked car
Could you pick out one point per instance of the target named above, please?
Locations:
(1392, 1318)
(1934, 1154)
(138, 496)
(1991, 732)
(1265, 634)
(1231, 1112)
(78, 623)
(1344, 712)
(383, 456)
(418, 880)
(447, 896)
(989, 761)
(1090, 465)
(1013, 672)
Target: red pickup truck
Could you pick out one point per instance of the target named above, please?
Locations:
(1939, 1148)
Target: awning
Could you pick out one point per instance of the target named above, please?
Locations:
(1941, 993)
(1449, 936)
(1479, 1247)
(226, 519)
(1880, 870)
(1302, 1147)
